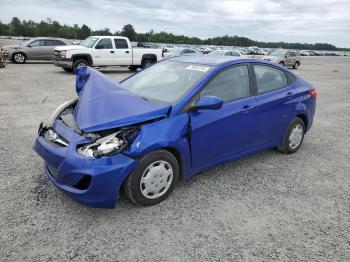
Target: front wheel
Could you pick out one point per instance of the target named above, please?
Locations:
(68, 69)
(294, 137)
(153, 179)
(19, 58)
(79, 62)
(281, 63)
(296, 65)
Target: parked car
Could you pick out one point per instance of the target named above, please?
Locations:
(225, 53)
(182, 51)
(103, 51)
(284, 58)
(38, 48)
(168, 122)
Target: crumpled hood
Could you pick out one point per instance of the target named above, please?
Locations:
(69, 47)
(103, 104)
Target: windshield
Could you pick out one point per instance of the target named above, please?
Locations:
(89, 42)
(278, 53)
(165, 81)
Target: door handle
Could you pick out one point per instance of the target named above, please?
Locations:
(246, 108)
(112, 52)
(127, 52)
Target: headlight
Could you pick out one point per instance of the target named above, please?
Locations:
(63, 54)
(102, 147)
(109, 145)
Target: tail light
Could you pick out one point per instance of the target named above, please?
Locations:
(313, 93)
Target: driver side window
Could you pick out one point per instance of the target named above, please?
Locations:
(38, 43)
(230, 84)
(104, 43)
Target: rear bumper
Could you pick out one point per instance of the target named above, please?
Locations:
(93, 182)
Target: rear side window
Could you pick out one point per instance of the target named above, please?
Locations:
(105, 43)
(230, 84)
(269, 78)
(121, 44)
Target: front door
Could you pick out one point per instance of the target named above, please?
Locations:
(220, 134)
(103, 54)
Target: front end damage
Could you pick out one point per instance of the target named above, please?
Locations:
(91, 163)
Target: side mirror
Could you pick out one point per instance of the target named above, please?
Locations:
(208, 103)
(30, 46)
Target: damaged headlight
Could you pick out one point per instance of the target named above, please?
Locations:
(108, 145)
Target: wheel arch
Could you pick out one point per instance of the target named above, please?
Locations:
(145, 57)
(303, 117)
(19, 52)
(87, 57)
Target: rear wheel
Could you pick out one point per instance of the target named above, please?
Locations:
(19, 58)
(153, 179)
(133, 68)
(294, 137)
(79, 62)
(147, 63)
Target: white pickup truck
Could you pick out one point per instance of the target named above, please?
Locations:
(102, 51)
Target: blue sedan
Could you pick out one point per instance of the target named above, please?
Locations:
(169, 122)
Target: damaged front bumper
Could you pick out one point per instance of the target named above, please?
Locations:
(91, 181)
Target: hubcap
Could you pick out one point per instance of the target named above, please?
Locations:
(296, 135)
(156, 179)
(19, 58)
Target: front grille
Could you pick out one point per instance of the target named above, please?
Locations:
(53, 171)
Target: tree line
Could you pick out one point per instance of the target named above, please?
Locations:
(49, 27)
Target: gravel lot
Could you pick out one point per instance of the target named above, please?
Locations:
(265, 207)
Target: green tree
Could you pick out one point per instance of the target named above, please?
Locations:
(129, 32)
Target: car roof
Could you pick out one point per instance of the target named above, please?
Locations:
(207, 60)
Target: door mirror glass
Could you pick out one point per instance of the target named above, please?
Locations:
(208, 103)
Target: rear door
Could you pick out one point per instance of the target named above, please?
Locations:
(275, 104)
(103, 53)
(219, 134)
(123, 52)
(50, 46)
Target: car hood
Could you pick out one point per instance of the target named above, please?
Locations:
(69, 47)
(103, 104)
(270, 58)
(12, 47)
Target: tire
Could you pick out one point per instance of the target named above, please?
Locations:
(19, 58)
(296, 65)
(146, 185)
(147, 63)
(281, 63)
(133, 68)
(79, 62)
(68, 69)
(296, 131)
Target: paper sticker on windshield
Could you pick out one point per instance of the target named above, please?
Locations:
(198, 68)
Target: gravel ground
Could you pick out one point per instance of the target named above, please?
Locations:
(265, 207)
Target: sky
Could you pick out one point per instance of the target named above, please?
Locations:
(321, 21)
